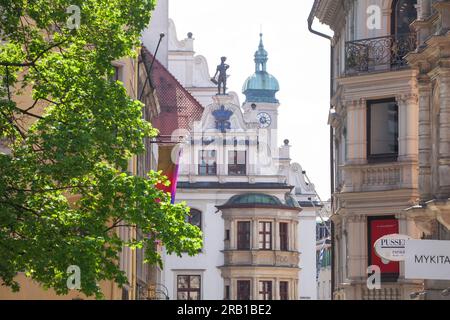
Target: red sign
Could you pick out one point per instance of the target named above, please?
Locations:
(379, 227)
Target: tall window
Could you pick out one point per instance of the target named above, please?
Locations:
(265, 290)
(237, 164)
(195, 218)
(243, 289)
(382, 130)
(207, 163)
(404, 12)
(188, 287)
(265, 235)
(243, 240)
(284, 290)
(284, 237)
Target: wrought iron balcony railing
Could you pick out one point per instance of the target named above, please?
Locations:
(378, 54)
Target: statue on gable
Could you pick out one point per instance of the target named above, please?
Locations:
(221, 79)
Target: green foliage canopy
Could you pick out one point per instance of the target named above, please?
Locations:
(85, 129)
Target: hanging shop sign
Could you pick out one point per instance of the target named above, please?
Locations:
(427, 259)
(391, 247)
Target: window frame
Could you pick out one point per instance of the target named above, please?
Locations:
(263, 244)
(189, 289)
(244, 233)
(386, 157)
(239, 292)
(284, 292)
(284, 236)
(266, 291)
(235, 166)
(207, 166)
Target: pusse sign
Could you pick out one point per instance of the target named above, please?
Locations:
(391, 247)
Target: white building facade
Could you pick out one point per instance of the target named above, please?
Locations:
(244, 193)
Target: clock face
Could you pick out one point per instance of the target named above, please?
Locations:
(264, 119)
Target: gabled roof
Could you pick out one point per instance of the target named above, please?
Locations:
(179, 109)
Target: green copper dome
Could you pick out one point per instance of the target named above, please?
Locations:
(261, 86)
(254, 198)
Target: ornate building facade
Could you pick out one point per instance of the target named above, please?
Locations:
(245, 194)
(388, 104)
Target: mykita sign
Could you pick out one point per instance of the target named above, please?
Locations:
(391, 247)
(427, 259)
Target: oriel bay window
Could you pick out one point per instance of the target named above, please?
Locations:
(382, 130)
(243, 235)
(207, 165)
(237, 164)
(265, 235)
(188, 287)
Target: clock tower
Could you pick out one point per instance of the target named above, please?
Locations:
(261, 105)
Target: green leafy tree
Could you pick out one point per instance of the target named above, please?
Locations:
(84, 130)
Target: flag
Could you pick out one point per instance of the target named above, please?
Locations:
(169, 168)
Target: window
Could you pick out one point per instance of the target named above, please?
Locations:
(243, 289)
(284, 237)
(265, 235)
(404, 12)
(382, 130)
(243, 241)
(188, 287)
(265, 290)
(195, 218)
(207, 163)
(227, 235)
(227, 292)
(284, 290)
(237, 165)
(116, 76)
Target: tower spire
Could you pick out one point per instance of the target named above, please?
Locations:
(261, 56)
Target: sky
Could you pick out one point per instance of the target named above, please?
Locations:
(299, 60)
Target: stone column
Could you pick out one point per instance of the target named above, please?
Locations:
(356, 255)
(356, 131)
(423, 9)
(255, 295)
(408, 136)
(276, 234)
(424, 137)
(444, 129)
(233, 234)
(276, 289)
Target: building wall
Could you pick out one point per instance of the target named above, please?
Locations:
(32, 290)
(367, 188)
(159, 23)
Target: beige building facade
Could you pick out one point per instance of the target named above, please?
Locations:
(381, 132)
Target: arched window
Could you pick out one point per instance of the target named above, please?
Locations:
(404, 12)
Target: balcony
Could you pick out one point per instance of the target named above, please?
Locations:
(378, 54)
(261, 258)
